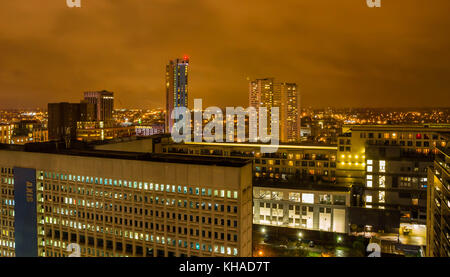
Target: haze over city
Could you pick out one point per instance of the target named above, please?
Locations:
(340, 53)
(225, 129)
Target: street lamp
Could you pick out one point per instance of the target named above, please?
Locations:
(300, 234)
(263, 230)
(339, 239)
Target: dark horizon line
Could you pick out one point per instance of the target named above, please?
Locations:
(307, 107)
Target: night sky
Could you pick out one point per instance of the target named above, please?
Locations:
(340, 52)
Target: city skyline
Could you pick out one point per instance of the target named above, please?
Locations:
(358, 57)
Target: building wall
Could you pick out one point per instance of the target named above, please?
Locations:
(6, 133)
(103, 102)
(397, 180)
(83, 200)
(62, 120)
(438, 208)
(352, 144)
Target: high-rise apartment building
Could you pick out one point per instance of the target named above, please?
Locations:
(268, 93)
(103, 102)
(176, 88)
(438, 205)
(116, 203)
(290, 113)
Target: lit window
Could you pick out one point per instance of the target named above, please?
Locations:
(308, 198)
(369, 198)
(381, 197)
(382, 181)
(369, 168)
(295, 197)
(382, 166)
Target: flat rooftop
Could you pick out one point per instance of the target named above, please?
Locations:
(157, 140)
(84, 150)
(281, 146)
(445, 128)
(301, 184)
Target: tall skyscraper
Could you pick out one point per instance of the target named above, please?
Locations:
(268, 93)
(176, 87)
(103, 102)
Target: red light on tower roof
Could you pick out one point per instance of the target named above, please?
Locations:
(186, 57)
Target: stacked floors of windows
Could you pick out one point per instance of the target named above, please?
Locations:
(112, 207)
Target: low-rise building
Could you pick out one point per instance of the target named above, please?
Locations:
(316, 207)
(89, 131)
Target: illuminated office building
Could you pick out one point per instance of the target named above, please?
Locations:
(268, 93)
(176, 88)
(114, 203)
(318, 207)
(438, 205)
